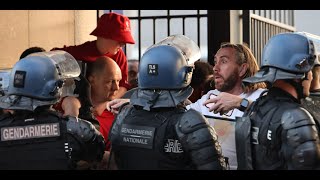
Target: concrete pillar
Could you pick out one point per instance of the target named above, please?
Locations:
(235, 26)
(85, 23)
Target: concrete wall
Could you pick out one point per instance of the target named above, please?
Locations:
(21, 29)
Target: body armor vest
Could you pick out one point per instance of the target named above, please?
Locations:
(277, 133)
(35, 143)
(148, 140)
(259, 130)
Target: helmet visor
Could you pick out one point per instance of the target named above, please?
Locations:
(65, 63)
(316, 42)
(189, 48)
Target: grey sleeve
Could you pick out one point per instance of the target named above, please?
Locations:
(200, 140)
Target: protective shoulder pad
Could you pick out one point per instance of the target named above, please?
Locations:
(191, 121)
(115, 129)
(296, 117)
(200, 140)
(80, 128)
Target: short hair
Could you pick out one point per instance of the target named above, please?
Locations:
(31, 50)
(202, 70)
(96, 67)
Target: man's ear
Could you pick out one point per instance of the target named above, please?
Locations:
(91, 79)
(243, 69)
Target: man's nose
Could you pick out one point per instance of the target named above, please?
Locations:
(216, 67)
(115, 86)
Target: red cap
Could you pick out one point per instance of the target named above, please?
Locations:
(114, 26)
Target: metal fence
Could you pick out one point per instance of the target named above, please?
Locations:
(208, 28)
(151, 26)
(260, 27)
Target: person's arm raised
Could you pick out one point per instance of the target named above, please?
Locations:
(114, 105)
(71, 106)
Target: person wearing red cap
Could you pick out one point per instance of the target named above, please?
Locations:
(113, 31)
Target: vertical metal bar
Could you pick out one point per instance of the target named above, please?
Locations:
(154, 30)
(221, 19)
(285, 16)
(246, 26)
(260, 40)
(280, 17)
(255, 37)
(292, 18)
(198, 27)
(168, 18)
(252, 35)
(139, 33)
(183, 26)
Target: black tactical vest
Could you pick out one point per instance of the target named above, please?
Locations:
(35, 143)
(264, 127)
(148, 140)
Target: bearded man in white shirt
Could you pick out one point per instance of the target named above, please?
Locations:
(233, 63)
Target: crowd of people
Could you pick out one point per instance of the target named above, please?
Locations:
(168, 110)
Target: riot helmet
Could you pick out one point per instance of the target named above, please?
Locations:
(168, 64)
(39, 77)
(285, 56)
(316, 41)
(165, 72)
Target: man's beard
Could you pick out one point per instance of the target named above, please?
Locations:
(229, 83)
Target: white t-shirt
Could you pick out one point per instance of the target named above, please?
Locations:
(224, 128)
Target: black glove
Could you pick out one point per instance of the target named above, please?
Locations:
(83, 89)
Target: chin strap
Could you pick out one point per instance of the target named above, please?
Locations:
(298, 87)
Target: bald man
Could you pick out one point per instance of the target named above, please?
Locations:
(104, 76)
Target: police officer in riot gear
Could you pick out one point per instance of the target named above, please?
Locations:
(312, 102)
(276, 132)
(155, 131)
(35, 136)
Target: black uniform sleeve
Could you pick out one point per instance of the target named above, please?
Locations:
(301, 145)
(91, 141)
(199, 139)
